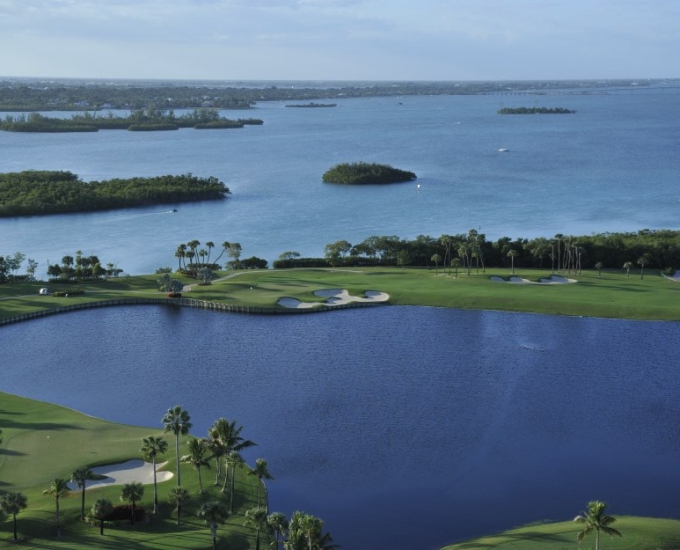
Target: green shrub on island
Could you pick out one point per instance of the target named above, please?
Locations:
(148, 120)
(535, 111)
(363, 173)
(35, 192)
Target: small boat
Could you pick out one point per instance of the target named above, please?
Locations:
(503, 150)
(174, 209)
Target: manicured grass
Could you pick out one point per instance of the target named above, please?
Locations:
(44, 441)
(610, 295)
(636, 534)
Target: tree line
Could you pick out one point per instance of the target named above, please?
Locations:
(33, 192)
(472, 250)
(535, 111)
(222, 447)
(138, 120)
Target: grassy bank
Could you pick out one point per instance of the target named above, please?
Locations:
(44, 441)
(637, 534)
(610, 294)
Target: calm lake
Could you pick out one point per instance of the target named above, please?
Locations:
(402, 427)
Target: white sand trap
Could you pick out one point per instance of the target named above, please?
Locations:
(126, 472)
(552, 280)
(336, 297)
(675, 277)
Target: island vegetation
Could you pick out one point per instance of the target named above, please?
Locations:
(41, 192)
(535, 111)
(138, 120)
(364, 173)
(312, 105)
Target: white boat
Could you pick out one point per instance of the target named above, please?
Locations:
(503, 150)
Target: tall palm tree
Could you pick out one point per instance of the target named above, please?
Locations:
(230, 436)
(101, 509)
(599, 266)
(179, 496)
(57, 489)
(279, 525)
(177, 421)
(198, 457)
(261, 472)
(80, 477)
(455, 264)
(151, 448)
(133, 491)
(512, 254)
(214, 513)
(596, 520)
(642, 262)
(234, 459)
(13, 503)
(436, 258)
(305, 532)
(257, 519)
(627, 267)
(217, 449)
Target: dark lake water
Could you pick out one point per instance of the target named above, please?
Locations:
(402, 427)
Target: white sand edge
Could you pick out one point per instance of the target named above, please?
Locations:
(552, 280)
(126, 472)
(335, 297)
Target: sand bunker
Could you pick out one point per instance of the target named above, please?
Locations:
(552, 280)
(335, 297)
(126, 472)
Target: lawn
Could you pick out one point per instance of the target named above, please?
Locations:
(636, 534)
(610, 294)
(43, 441)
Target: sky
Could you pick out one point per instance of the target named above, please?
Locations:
(421, 40)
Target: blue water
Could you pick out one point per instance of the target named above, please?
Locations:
(612, 166)
(403, 427)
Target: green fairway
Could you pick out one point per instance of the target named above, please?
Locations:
(42, 442)
(636, 534)
(611, 295)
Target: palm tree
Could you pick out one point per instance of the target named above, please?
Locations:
(436, 258)
(455, 264)
(217, 450)
(627, 267)
(13, 503)
(197, 457)
(57, 489)
(596, 520)
(151, 448)
(257, 518)
(230, 436)
(234, 459)
(214, 513)
(261, 472)
(179, 496)
(101, 509)
(642, 262)
(512, 254)
(177, 421)
(599, 267)
(306, 533)
(133, 491)
(80, 477)
(278, 523)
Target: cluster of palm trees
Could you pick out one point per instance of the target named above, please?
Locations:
(223, 445)
(200, 257)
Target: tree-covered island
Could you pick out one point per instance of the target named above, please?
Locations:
(34, 192)
(138, 120)
(535, 111)
(364, 173)
(312, 105)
